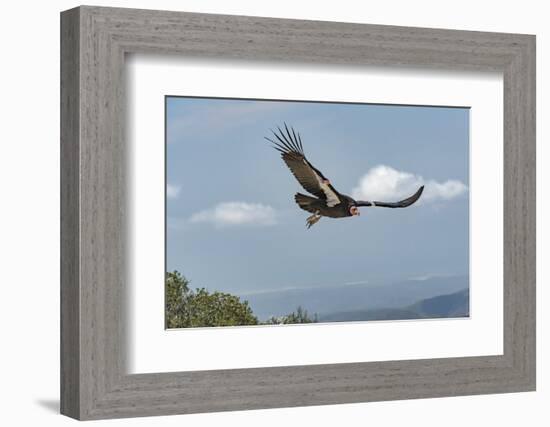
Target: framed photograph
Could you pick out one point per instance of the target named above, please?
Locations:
(339, 272)
(261, 213)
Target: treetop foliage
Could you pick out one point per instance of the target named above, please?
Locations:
(187, 308)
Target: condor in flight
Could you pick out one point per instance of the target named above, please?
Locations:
(327, 201)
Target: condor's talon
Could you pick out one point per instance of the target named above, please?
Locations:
(313, 219)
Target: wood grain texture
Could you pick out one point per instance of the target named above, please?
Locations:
(70, 220)
(94, 381)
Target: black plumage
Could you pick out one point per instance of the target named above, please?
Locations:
(327, 201)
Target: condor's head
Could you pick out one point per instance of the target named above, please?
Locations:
(354, 210)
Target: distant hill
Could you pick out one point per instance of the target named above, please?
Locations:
(456, 304)
(346, 298)
(452, 305)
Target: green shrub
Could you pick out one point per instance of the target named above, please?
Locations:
(187, 308)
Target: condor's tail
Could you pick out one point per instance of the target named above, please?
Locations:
(307, 203)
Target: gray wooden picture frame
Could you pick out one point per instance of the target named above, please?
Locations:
(94, 41)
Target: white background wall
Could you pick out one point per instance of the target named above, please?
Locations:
(29, 212)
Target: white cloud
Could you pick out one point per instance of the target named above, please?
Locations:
(358, 282)
(172, 191)
(385, 184)
(422, 278)
(237, 213)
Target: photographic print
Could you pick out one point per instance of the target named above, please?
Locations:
(301, 212)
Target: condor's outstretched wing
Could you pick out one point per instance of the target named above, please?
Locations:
(401, 204)
(289, 144)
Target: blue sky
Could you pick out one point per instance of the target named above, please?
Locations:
(233, 226)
